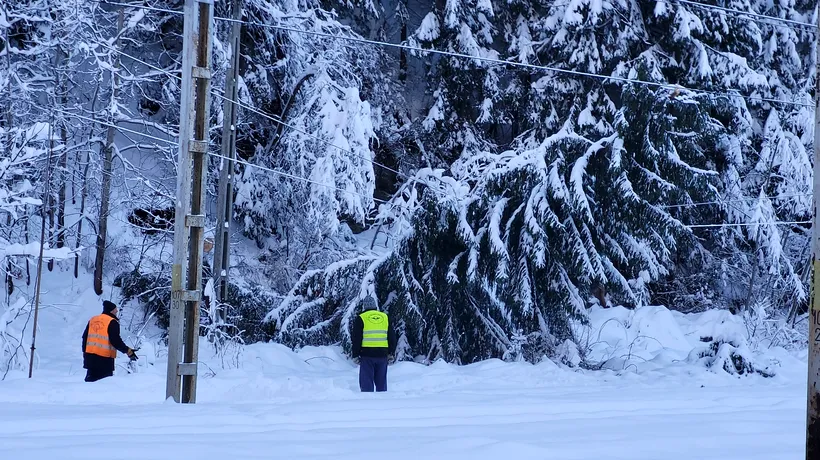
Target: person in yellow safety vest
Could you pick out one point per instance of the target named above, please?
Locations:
(374, 344)
(101, 340)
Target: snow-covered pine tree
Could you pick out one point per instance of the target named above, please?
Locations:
(600, 183)
(763, 154)
(462, 118)
(327, 95)
(322, 305)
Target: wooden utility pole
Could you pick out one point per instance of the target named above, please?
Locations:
(224, 206)
(813, 409)
(186, 273)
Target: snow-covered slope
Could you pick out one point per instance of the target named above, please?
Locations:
(480, 412)
(276, 403)
(286, 405)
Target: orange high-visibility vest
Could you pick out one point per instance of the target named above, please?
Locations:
(98, 342)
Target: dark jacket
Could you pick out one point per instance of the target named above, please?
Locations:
(356, 336)
(92, 361)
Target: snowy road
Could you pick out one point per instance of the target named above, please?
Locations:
(302, 406)
(435, 412)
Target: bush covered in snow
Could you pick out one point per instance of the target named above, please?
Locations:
(247, 306)
(13, 349)
(729, 354)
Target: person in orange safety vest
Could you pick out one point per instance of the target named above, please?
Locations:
(101, 340)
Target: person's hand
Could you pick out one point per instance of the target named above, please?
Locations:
(356, 360)
(133, 354)
(391, 359)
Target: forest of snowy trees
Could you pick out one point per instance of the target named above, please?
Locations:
(653, 153)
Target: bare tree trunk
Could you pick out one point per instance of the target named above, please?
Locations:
(28, 238)
(82, 215)
(56, 219)
(9, 278)
(600, 294)
(49, 204)
(74, 170)
(752, 279)
(84, 193)
(402, 52)
(62, 170)
(7, 141)
(7, 144)
(105, 197)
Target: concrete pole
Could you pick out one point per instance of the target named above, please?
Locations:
(813, 409)
(224, 205)
(186, 273)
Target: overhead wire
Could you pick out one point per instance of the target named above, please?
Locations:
(745, 13)
(747, 224)
(240, 161)
(279, 121)
(216, 92)
(144, 7)
(104, 123)
(727, 92)
(320, 184)
(303, 179)
(687, 2)
(744, 200)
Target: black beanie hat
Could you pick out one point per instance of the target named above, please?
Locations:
(108, 307)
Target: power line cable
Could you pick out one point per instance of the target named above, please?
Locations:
(746, 224)
(724, 9)
(489, 60)
(745, 13)
(104, 123)
(522, 64)
(745, 200)
(378, 200)
(496, 61)
(303, 179)
(253, 165)
(143, 7)
(270, 117)
(277, 120)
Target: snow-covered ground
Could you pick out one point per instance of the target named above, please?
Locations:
(649, 403)
(491, 410)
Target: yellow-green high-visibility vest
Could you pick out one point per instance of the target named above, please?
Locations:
(375, 329)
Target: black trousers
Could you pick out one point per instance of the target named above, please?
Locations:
(98, 367)
(96, 374)
(372, 372)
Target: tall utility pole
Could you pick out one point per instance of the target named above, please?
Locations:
(224, 206)
(813, 409)
(186, 273)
